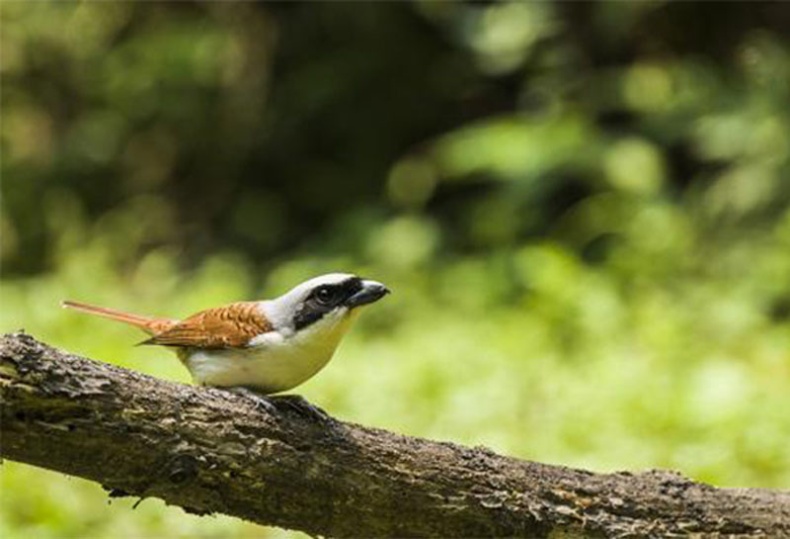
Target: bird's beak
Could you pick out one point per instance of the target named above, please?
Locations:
(371, 291)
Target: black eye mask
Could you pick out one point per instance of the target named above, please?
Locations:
(324, 299)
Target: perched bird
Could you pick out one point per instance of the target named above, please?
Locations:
(266, 346)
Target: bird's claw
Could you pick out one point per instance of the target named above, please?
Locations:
(273, 405)
(262, 402)
(301, 406)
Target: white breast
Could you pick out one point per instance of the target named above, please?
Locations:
(272, 362)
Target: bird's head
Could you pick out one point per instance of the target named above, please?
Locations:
(326, 302)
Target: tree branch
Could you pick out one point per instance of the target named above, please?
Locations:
(208, 450)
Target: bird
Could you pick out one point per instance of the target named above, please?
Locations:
(267, 346)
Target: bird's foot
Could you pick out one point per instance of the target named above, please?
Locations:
(274, 404)
(261, 401)
(301, 406)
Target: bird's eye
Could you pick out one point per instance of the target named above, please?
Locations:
(326, 295)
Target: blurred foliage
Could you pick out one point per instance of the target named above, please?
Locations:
(583, 210)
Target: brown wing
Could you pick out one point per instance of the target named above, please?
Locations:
(231, 326)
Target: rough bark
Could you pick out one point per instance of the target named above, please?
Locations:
(208, 451)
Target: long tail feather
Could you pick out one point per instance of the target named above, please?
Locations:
(148, 324)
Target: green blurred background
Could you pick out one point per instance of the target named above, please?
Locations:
(583, 210)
